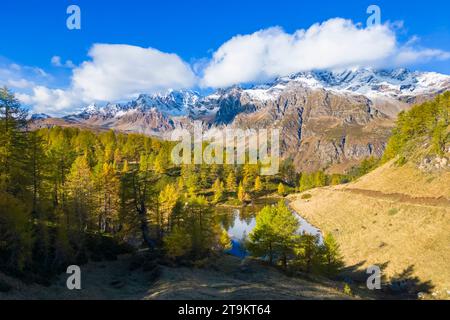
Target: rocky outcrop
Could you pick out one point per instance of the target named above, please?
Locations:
(430, 164)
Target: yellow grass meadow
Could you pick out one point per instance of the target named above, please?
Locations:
(398, 217)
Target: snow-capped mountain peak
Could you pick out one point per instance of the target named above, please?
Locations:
(39, 116)
(395, 84)
(370, 81)
(172, 103)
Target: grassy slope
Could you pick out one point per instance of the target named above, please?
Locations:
(394, 215)
(226, 279)
(406, 180)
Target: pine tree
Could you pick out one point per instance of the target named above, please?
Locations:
(306, 182)
(161, 162)
(168, 198)
(258, 184)
(336, 179)
(199, 223)
(108, 187)
(308, 253)
(262, 239)
(80, 189)
(15, 234)
(204, 176)
(178, 243)
(218, 189)
(285, 225)
(180, 184)
(231, 182)
(281, 189)
(242, 194)
(275, 233)
(128, 220)
(249, 174)
(13, 143)
(287, 172)
(61, 157)
(125, 168)
(320, 179)
(225, 240)
(15, 222)
(331, 256)
(37, 171)
(190, 178)
(141, 195)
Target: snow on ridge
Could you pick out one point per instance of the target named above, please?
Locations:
(171, 103)
(396, 83)
(39, 116)
(261, 94)
(372, 83)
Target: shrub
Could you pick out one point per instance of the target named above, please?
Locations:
(306, 196)
(348, 290)
(393, 211)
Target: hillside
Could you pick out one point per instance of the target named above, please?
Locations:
(228, 278)
(397, 216)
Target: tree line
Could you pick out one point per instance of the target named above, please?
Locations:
(426, 125)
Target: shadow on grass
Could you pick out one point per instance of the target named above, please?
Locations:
(404, 285)
(407, 283)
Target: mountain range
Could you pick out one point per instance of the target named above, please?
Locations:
(329, 120)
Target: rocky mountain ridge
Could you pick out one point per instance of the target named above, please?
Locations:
(327, 119)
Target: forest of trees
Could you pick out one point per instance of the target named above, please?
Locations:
(320, 179)
(68, 196)
(426, 125)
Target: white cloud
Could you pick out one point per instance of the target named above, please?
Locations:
(20, 83)
(334, 44)
(409, 55)
(57, 62)
(116, 72)
(54, 101)
(20, 77)
(122, 71)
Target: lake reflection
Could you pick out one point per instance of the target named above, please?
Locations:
(240, 222)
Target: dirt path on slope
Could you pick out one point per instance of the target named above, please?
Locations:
(400, 197)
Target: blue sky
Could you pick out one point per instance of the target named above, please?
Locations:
(34, 31)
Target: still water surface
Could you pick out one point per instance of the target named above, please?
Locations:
(239, 223)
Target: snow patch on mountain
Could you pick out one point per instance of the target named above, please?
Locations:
(369, 82)
(379, 85)
(170, 104)
(392, 83)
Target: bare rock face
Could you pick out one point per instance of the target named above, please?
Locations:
(320, 129)
(327, 120)
(430, 164)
